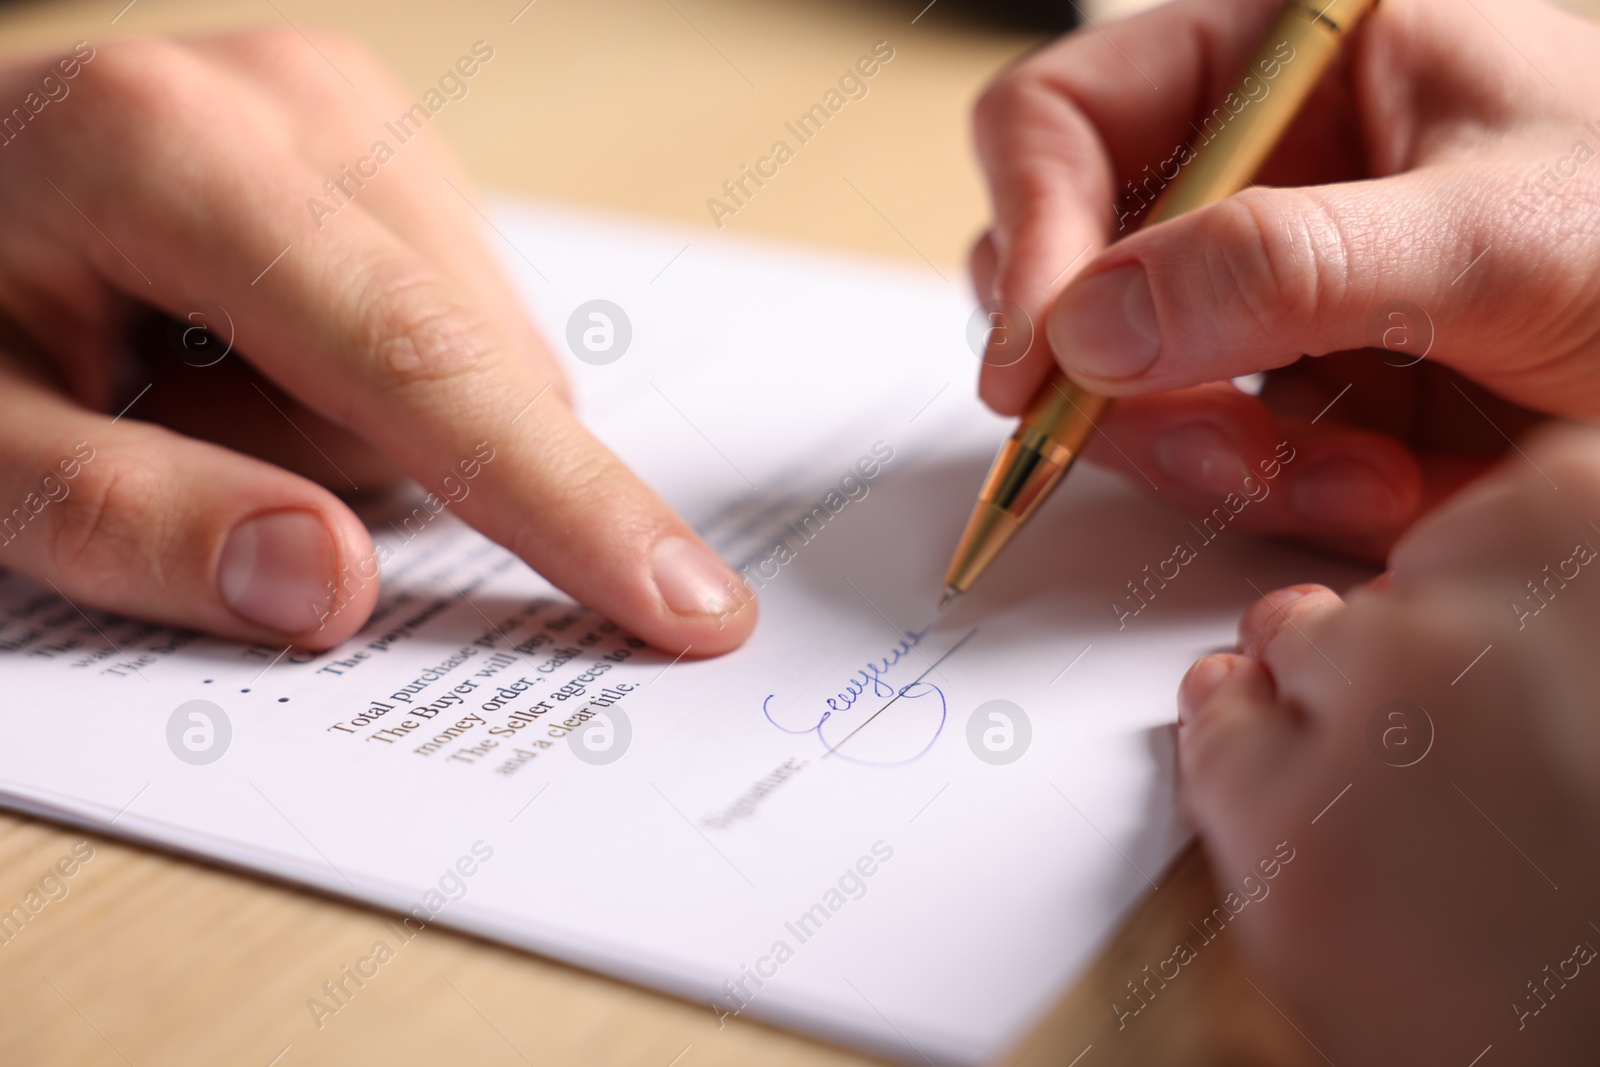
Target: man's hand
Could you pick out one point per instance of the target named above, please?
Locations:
(182, 175)
(1428, 751)
(1438, 199)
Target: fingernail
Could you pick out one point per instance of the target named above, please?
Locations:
(277, 570)
(1105, 325)
(693, 580)
(1198, 454)
(1201, 681)
(1346, 494)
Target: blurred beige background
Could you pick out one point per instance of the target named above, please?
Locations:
(648, 106)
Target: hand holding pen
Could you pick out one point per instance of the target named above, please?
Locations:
(1421, 203)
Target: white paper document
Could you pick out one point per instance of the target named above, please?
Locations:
(835, 828)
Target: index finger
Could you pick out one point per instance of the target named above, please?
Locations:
(366, 332)
(1082, 126)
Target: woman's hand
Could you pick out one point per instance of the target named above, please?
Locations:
(1428, 752)
(260, 178)
(1438, 197)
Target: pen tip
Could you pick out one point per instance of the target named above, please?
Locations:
(950, 593)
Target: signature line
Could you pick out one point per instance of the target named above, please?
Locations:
(902, 691)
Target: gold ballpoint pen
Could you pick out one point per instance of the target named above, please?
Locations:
(1287, 66)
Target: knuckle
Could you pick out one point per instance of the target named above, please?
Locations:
(1014, 103)
(592, 479)
(1292, 650)
(146, 77)
(593, 493)
(591, 488)
(100, 527)
(1264, 247)
(1000, 100)
(414, 331)
(145, 103)
(1280, 611)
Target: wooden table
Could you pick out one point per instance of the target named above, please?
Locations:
(642, 106)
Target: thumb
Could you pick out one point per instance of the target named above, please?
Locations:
(1434, 262)
(133, 519)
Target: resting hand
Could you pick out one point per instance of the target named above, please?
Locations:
(1428, 752)
(237, 183)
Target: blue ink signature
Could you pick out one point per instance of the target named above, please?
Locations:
(870, 679)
